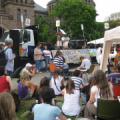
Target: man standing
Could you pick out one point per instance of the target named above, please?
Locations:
(85, 64)
(47, 57)
(9, 57)
(38, 58)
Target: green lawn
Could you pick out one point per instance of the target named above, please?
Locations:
(25, 105)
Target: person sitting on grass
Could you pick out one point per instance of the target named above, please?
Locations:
(100, 88)
(24, 85)
(44, 83)
(85, 91)
(71, 106)
(77, 79)
(7, 107)
(57, 82)
(45, 111)
(5, 81)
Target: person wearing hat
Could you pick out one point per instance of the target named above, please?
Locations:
(115, 77)
(9, 57)
(30, 69)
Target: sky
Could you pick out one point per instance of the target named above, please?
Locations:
(104, 7)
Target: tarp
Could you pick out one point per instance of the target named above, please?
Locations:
(110, 36)
(97, 41)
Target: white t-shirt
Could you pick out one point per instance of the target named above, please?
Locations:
(86, 64)
(58, 84)
(95, 90)
(46, 51)
(71, 105)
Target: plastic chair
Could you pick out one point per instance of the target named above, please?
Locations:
(52, 67)
(108, 109)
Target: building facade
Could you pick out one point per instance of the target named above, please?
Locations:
(115, 16)
(10, 13)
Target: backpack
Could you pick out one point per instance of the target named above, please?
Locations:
(3, 60)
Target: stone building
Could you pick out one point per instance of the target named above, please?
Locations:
(10, 13)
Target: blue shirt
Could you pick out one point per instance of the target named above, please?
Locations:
(45, 112)
(10, 59)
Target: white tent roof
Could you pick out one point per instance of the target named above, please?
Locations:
(111, 36)
(97, 41)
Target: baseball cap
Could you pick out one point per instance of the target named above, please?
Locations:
(28, 65)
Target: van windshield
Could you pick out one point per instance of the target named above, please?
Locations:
(4, 36)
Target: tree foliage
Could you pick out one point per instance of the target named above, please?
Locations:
(73, 13)
(114, 23)
(44, 30)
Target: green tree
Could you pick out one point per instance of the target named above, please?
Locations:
(44, 30)
(74, 13)
(114, 23)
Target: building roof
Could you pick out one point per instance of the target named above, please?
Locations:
(39, 8)
(52, 1)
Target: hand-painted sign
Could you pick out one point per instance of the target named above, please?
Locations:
(73, 56)
(92, 52)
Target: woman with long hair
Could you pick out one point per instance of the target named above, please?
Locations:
(100, 88)
(24, 85)
(57, 82)
(71, 106)
(7, 107)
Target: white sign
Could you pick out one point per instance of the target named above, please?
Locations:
(62, 31)
(106, 25)
(27, 22)
(57, 23)
(82, 27)
(21, 18)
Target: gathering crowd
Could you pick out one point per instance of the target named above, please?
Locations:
(46, 105)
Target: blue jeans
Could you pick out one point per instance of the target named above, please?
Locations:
(9, 73)
(47, 60)
(83, 96)
(39, 64)
(66, 68)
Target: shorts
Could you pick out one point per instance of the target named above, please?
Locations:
(28, 97)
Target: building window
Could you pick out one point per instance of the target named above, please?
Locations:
(16, 1)
(21, 1)
(25, 1)
(88, 1)
(18, 14)
(50, 8)
(25, 14)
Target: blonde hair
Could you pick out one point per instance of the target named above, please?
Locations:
(24, 77)
(7, 107)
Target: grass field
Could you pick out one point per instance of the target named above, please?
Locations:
(24, 106)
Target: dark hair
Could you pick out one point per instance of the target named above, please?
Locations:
(47, 94)
(59, 53)
(2, 70)
(70, 86)
(118, 68)
(44, 83)
(81, 57)
(76, 73)
(38, 44)
(100, 80)
(56, 73)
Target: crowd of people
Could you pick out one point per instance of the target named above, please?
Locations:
(46, 106)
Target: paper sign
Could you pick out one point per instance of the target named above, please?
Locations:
(27, 22)
(57, 23)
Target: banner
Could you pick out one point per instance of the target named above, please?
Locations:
(73, 56)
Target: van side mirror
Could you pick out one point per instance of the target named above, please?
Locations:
(25, 36)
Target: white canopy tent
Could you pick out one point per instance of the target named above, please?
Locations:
(111, 36)
(97, 41)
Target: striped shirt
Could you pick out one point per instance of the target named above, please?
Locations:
(114, 77)
(58, 61)
(78, 81)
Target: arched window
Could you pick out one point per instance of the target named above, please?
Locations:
(18, 14)
(25, 14)
(21, 1)
(16, 1)
(25, 1)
